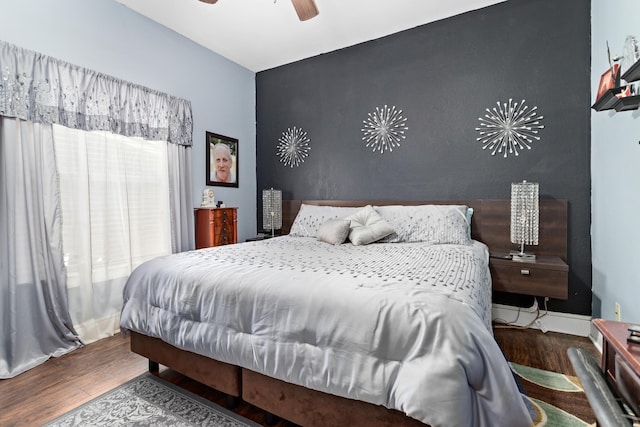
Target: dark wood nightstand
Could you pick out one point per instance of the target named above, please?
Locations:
(547, 276)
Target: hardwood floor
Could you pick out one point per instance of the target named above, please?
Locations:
(548, 351)
(63, 383)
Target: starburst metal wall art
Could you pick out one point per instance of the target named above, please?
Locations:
(384, 129)
(293, 147)
(509, 128)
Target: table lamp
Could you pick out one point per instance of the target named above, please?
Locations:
(525, 215)
(271, 210)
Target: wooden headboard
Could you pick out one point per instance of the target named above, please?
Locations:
(490, 223)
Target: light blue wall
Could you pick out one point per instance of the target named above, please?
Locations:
(107, 37)
(615, 173)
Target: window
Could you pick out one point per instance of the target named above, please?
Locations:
(114, 194)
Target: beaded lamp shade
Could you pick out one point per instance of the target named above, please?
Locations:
(271, 210)
(525, 217)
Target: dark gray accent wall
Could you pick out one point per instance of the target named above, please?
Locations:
(443, 76)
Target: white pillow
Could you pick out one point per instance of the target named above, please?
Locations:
(436, 224)
(367, 226)
(311, 217)
(334, 231)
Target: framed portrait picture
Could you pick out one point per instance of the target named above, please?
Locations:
(609, 80)
(222, 160)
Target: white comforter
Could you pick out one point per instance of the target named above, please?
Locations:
(406, 325)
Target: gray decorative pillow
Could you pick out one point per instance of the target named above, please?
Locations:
(311, 217)
(334, 231)
(436, 224)
(367, 226)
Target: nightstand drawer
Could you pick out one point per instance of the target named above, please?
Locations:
(529, 279)
(221, 214)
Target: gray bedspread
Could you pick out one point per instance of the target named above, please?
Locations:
(404, 325)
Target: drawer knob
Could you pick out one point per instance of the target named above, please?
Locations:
(525, 272)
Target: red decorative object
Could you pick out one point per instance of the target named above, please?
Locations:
(609, 80)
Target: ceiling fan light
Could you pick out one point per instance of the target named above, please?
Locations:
(209, 1)
(306, 9)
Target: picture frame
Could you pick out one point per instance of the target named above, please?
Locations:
(222, 155)
(608, 80)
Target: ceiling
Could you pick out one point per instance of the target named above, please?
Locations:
(263, 34)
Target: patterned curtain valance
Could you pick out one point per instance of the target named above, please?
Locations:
(43, 89)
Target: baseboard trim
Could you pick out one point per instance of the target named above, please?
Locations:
(566, 323)
(596, 338)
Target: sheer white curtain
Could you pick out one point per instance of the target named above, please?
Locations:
(34, 319)
(116, 215)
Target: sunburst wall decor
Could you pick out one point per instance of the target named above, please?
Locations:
(384, 129)
(509, 128)
(293, 147)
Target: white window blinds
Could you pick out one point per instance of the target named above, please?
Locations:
(114, 194)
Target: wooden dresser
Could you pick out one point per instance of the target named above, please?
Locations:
(620, 361)
(215, 226)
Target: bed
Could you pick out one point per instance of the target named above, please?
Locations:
(394, 331)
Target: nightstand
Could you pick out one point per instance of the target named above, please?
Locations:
(547, 276)
(215, 226)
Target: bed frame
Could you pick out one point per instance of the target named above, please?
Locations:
(490, 224)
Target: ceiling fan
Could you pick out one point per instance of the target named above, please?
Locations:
(306, 9)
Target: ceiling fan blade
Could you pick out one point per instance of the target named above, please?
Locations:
(209, 1)
(306, 9)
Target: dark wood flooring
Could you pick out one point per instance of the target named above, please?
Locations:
(63, 383)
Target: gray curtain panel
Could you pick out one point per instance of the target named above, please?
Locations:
(181, 211)
(34, 319)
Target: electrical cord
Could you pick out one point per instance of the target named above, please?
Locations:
(499, 321)
(502, 324)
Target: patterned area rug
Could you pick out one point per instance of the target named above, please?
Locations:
(150, 401)
(557, 400)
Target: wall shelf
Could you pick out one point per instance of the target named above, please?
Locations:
(633, 73)
(610, 101)
(627, 103)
